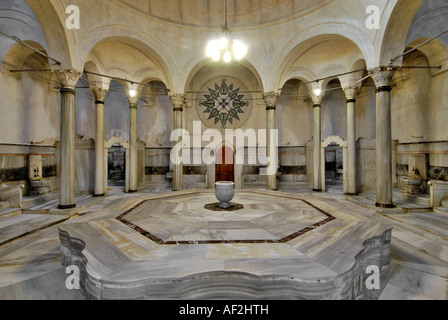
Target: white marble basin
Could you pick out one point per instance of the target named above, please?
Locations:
(225, 192)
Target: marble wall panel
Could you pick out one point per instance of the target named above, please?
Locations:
(84, 166)
(157, 157)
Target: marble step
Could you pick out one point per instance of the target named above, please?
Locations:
(9, 212)
(415, 281)
(16, 226)
(441, 211)
(30, 201)
(426, 225)
(423, 200)
(4, 205)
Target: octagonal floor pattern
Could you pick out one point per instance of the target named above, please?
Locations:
(183, 220)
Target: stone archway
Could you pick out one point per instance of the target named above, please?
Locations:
(334, 140)
(114, 141)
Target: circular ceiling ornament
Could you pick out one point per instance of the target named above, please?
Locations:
(226, 105)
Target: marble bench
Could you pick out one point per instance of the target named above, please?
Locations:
(438, 191)
(12, 196)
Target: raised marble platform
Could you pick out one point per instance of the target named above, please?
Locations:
(280, 246)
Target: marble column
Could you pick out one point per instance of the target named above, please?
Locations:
(271, 99)
(67, 184)
(178, 101)
(100, 95)
(383, 77)
(351, 93)
(133, 143)
(317, 140)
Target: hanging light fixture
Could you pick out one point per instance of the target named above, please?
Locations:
(226, 48)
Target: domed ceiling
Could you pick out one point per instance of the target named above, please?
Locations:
(211, 13)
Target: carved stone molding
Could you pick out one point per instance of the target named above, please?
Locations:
(317, 99)
(351, 93)
(178, 101)
(99, 94)
(116, 140)
(68, 78)
(271, 99)
(133, 101)
(382, 76)
(334, 140)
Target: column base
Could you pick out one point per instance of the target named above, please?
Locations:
(317, 190)
(351, 194)
(387, 206)
(64, 207)
(99, 195)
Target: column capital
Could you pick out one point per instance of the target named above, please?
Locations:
(317, 99)
(68, 78)
(99, 94)
(271, 99)
(133, 101)
(351, 93)
(382, 76)
(178, 101)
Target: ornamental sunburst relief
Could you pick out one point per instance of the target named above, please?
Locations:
(224, 104)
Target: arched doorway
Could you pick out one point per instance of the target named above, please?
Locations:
(331, 161)
(116, 152)
(225, 165)
(116, 166)
(334, 168)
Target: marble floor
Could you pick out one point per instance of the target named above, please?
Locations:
(30, 254)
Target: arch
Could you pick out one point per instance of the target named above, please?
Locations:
(394, 27)
(304, 75)
(149, 90)
(18, 54)
(143, 67)
(140, 41)
(116, 140)
(311, 37)
(204, 63)
(52, 21)
(353, 79)
(332, 69)
(435, 51)
(334, 140)
(94, 79)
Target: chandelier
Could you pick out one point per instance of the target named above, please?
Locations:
(226, 48)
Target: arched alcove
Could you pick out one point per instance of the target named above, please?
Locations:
(334, 141)
(119, 142)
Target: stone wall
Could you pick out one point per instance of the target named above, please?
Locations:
(434, 161)
(14, 164)
(366, 165)
(292, 161)
(85, 165)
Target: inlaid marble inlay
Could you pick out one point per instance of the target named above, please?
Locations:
(182, 220)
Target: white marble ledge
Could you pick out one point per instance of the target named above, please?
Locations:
(438, 191)
(116, 264)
